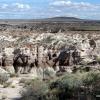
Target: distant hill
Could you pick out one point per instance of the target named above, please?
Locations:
(62, 19)
(53, 19)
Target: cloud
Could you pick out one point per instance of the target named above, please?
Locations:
(21, 6)
(74, 5)
(57, 10)
(4, 6)
(74, 8)
(15, 7)
(49, 8)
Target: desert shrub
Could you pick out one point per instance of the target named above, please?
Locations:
(65, 87)
(91, 78)
(59, 89)
(97, 59)
(49, 39)
(13, 75)
(27, 82)
(36, 91)
(5, 85)
(3, 78)
(55, 30)
(91, 82)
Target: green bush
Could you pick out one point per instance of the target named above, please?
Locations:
(91, 78)
(3, 78)
(65, 87)
(36, 91)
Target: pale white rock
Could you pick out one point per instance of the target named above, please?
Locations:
(69, 70)
(14, 82)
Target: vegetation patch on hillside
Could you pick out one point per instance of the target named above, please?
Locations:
(66, 87)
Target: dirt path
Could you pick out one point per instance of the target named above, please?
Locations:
(12, 92)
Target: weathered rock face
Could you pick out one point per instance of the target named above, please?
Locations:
(65, 39)
(80, 39)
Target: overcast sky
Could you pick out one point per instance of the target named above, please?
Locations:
(30, 9)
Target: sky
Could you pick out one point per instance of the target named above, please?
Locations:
(33, 9)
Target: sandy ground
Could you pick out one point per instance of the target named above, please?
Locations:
(13, 92)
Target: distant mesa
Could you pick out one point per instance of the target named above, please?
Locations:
(62, 19)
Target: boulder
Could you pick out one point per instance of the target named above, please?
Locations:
(69, 70)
